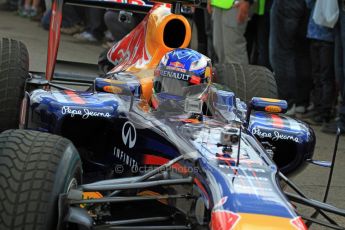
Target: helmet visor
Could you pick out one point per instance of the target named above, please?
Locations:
(171, 82)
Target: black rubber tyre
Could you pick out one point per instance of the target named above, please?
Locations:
(14, 70)
(247, 81)
(34, 168)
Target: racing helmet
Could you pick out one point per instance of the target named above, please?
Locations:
(179, 69)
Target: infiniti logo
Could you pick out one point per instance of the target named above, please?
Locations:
(129, 135)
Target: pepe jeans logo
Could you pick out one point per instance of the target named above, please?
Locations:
(84, 113)
(129, 135)
(275, 136)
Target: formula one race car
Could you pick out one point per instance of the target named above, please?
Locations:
(152, 144)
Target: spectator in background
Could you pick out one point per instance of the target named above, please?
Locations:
(200, 22)
(120, 24)
(339, 71)
(203, 22)
(257, 34)
(322, 63)
(45, 20)
(289, 53)
(229, 25)
(9, 5)
(30, 8)
(95, 27)
(71, 21)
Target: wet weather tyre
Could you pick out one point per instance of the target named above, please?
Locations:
(14, 67)
(247, 81)
(35, 168)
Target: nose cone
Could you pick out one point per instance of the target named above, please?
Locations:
(226, 220)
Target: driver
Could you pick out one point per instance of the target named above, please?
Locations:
(177, 70)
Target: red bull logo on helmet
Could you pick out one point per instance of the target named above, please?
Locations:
(177, 64)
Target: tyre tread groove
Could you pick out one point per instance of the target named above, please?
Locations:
(247, 81)
(28, 162)
(14, 67)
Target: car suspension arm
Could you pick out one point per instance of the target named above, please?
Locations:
(299, 192)
(137, 185)
(315, 204)
(128, 199)
(322, 223)
(154, 172)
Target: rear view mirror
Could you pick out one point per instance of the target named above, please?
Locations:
(268, 105)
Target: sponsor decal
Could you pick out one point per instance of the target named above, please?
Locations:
(112, 89)
(125, 158)
(176, 64)
(273, 109)
(122, 56)
(131, 51)
(129, 135)
(84, 113)
(176, 69)
(275, 136)
(224, 220)
(173, 74)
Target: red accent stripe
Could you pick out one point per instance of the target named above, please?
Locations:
(157, 160)
(54, 37)
(277, 121)
(198, 183)
(154, 160)
(154, 102)
(75, 97)
(298, 223)
(228, 159)
(195, 80)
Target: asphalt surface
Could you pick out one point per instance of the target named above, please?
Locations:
(312, 180)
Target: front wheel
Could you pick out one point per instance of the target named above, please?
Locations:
(14, 70)
(35, 168)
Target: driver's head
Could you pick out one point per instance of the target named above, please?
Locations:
(179, 69)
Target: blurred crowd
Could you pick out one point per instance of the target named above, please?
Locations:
(301, 41)
(286, 36)
(84, 24)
